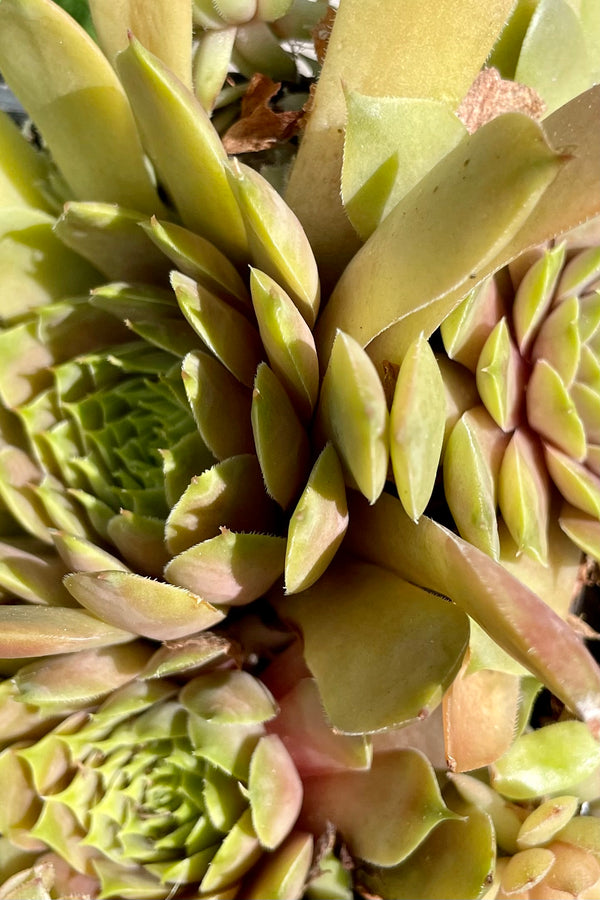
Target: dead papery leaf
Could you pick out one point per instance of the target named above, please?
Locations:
(490, 95)
(321, 34)
(260, 126)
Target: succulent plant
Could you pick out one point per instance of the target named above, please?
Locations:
(281, 479)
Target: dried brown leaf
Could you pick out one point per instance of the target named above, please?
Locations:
(260, 126)
(321, 34)
(490, 95)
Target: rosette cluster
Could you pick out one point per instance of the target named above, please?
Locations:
(529, 336)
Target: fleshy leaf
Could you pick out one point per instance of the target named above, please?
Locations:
(287, 340)
(280, 439)
(232, 569)
(534, 294)
(199, 259)
(228, 698)
(42, 631)
(317, 525)
(480, 714)
(353, 416)
(382, 814)
(274, 791)
(185, 148)
(236, 855)
(523, 494)
(419, 878)
(558, 341)
(365, 631)
(472, 460)
(463, 39)
(578, 485)
(80, 679)
(283, 873)
(500, 377)
(546, 821)
(512, 614)
(111, 239)
(557, 69)
(390, 144)
(547, 761)
(226, 331)
(74, 97)
(455, 190)
(166, 32)
(466, 329)
(229, 494)
(583, 529)
(220, 404)
(152, 609)
(417, 421)
(277, 241)
(22, 169)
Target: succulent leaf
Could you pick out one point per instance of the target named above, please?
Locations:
(58, 87)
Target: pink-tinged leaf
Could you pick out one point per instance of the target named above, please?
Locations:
(546, 821)
(140, 539)
(534, 296)
(587, 404)
(383, 814)
(287, 340)
(501, 377)
(150, 608)
(283, 874)
(280, 438)
(580, 273)
(220, 405)
(551, 760)
(274, 791)
(311, 741)
(165, 28)
(80, 555)
(222, 328)
(187, 655)
(558, 341)
(45, 631)
(82, 679)
(480, 715)
(471, 464)
(278, 244)
(185, 148)
(230, 494)
(365, 636)
(466, 329)
(195, 256)
(228, 698)
(317, 525)
(353, 415)
(575, 872)
(230, 569)
(524, 494)
(32, 576)
(583, 529)
(513, 615)
(552, 413)
(72, 94)
(578, 485)
(460, 391)
(417, 422)
(526, 869)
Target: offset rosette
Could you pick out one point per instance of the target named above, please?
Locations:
(530, 336)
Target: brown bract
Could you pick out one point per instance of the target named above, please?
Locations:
(490, 95)
(260, 126)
